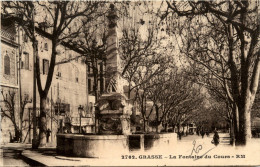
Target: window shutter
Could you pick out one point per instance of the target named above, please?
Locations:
(22, 64)
(6, 65)
(22, 61)
(45, 66)
(26, 61)
(46, 46)
(89, 85)
(25, 38)
(41, 47)
(48, 66)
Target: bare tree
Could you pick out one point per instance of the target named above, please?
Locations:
(256, 106)
(174, 98)
(238, 33)
(57, 21)
(143, 82)
(218, 86)
(8, 109)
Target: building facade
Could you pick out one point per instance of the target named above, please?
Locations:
(68, 89)
(8, 81)
(67, 98)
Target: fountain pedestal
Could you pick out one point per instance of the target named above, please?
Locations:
(113, 115)
(113, 109)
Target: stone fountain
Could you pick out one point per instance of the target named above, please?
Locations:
(113, 137)
(112, 109)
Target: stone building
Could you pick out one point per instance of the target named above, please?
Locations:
(8, 79)
(68, 89)
(67, 95)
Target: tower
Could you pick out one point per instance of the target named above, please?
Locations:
(112, 108)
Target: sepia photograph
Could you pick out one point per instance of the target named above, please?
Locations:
(130, 83)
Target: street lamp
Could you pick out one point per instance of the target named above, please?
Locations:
(80, 109)
(58, 108)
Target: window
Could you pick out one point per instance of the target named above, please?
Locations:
(7, 65)
(40, 47)
(45, 65)
(61, 108)
(101, 85)
(89, 68)
(101, 67)
(89, 85)
(25, 64)
(77, 79)
(82, 61)
(25, 38)
(58, 75)
(46, 46)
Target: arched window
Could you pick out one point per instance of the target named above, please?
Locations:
(7, 65)
(46, 46)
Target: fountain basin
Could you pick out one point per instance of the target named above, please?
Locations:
(161, 142)
(103, 146)
(92, 146)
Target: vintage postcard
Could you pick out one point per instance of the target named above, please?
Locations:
(130, 83)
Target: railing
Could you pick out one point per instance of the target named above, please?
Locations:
(7, 35)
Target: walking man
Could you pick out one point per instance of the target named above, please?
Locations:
(48, 134)
(216, 138)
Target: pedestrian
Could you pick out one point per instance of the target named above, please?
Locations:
(216, 138)
(179, 134)
(202, 134)
(11, 137)
(48, 133)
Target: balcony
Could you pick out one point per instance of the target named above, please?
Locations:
(7, 35)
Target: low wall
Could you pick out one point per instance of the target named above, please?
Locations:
(163, 142)
(94, 146)
(98, 146)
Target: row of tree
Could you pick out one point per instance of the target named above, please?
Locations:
(218, 42)
(220, 39)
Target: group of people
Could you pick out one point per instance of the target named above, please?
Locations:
(202, 133)
(180, 134)
(215, 140)
(215, 137)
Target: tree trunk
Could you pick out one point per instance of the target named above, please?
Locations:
(232, 132)
(247, 127)
(95, 76)
(43, 122)
(173, 127)
(157, 128)
(178, 128)
(247, 122)
(166, 127)
(129, 92)
(244, 123)
(21, 126)
(157, 118)
(17, 133)
(145, 126)
(235, 124)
